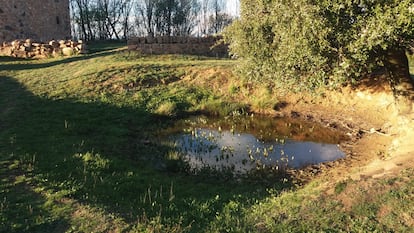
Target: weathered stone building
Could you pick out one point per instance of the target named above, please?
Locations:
(40, 20)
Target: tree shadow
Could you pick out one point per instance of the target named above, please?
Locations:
(376, 82)
(21, 207)
(7, 62)
(4, 59)
(106, 157)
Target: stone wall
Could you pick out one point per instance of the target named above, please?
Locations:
(201, 46)
(41, 20)
(29, 49)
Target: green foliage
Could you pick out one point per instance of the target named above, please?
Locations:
(363, 32)
(340, 187)
(281, 40)
(313, 43)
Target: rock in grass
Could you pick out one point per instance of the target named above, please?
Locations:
(68, 51)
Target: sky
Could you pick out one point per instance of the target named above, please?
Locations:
(233, 7)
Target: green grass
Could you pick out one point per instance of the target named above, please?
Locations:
(79, 153)
(79, 150)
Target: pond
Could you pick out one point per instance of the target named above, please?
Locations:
(245, 143)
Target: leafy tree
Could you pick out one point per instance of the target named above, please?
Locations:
(325, 42)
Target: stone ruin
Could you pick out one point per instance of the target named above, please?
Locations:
(201, 46)
(40, 20)
(30, 49)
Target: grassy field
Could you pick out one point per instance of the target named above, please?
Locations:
(79, 153)
(77, 149)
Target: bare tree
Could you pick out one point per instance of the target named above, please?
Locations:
(146, 14)
(126, 9)
(218, 22)
(111, 12)
(217, 6)
(185, 17)
(108, 19)
(164, 15)
(82, 16)
(203, 17)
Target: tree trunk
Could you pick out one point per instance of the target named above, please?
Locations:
(82, 19)
(402, 85)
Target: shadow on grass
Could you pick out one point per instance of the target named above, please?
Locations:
(6, 62)
(103, 156)
(105, 45)
(21, 207)
(4, 59)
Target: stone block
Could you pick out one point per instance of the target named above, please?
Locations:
(68, 51)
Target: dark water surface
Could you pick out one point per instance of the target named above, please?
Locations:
(246, 143)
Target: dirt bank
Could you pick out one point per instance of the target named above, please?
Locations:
(380, 141)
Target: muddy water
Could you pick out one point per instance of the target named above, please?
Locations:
(242, 144)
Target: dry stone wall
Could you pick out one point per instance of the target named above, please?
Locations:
(29, 49)
(41, 20)
(203, 46)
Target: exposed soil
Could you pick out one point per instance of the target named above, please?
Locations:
(380, 140)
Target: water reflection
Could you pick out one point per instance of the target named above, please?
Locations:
(207, 143)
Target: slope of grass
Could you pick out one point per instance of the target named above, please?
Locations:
(356, 206)
(78, 149)
(79, 153)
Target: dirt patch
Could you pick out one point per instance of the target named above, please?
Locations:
(117, 83)
(380, 142)
(380, 139)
